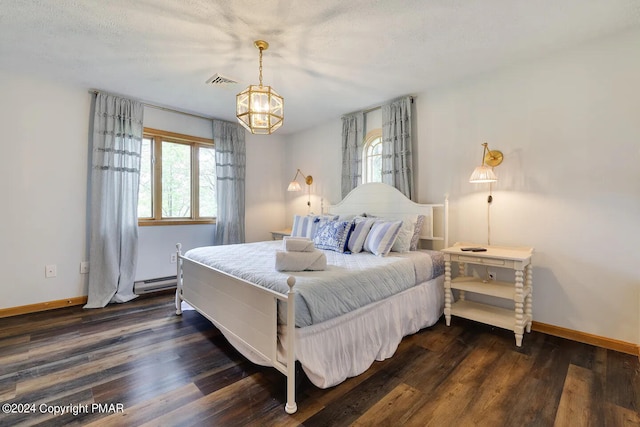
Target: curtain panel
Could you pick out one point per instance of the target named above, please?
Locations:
(352, 139)
(229, 140)
(116, 143)
(396, 146)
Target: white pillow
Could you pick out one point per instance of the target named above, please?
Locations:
(382, 236)
(403, 241)
(415, 240)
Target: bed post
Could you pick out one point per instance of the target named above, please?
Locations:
(179, 279)
(291, 406)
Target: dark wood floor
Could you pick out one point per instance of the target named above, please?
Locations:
(146, 366)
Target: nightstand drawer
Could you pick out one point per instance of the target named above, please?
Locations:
(498, 262)
(476, 260)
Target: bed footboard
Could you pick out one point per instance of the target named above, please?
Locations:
(244, 310)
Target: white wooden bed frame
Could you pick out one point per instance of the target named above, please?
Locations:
(249, 312)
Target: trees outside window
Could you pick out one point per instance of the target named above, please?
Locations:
(177, 179)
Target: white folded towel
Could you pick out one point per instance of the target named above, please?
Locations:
(298, 244)
(300, 261)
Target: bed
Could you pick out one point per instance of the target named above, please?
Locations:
(275, 318)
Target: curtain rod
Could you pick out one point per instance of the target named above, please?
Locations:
(157, 107)
(368, 110)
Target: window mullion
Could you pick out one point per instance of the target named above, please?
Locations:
(157, 177)
(195, 182)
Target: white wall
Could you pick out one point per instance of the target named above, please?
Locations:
(569, 185)
(265, 194)
(43, 183)
(43, 175)
(315, 152)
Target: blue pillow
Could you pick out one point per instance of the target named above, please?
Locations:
(333, 235)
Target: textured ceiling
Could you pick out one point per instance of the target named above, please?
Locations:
(326, 57)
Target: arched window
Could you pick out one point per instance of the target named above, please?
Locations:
(372, 157)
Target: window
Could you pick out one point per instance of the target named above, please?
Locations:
(177, 179)
(372, 157)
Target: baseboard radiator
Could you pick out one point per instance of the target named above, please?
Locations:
(154, 285)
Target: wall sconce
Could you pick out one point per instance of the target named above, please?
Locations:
(295, 186)
(484, 174)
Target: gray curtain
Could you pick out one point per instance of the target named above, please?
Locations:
(396, 146)
(230, 169)
(352, 138)
(115, 172)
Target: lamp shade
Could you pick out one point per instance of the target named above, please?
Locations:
(294, 186)
(483, 174)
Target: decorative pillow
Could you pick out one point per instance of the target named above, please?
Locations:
(359, 234)
(306, 226)
(415, 239)
(346, 217)
(381, 237)
(403, 241)
(333, 235)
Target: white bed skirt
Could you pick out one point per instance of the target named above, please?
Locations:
(346, 346)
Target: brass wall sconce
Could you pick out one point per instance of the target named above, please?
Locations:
(484, 172)
(294, 185)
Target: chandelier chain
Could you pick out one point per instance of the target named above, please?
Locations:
(260, 67)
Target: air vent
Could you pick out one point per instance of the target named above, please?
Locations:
(220, 80)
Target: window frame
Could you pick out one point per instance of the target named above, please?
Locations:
(157, 137)
(371, 137)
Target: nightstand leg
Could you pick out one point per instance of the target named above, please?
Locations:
(519, 302)
(447, 292)
(462, 271)
(528, 307)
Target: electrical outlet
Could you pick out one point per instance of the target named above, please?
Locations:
(173, 258)
(491, 274)
(50, 271)
(84, 267)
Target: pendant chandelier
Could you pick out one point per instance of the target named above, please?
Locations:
(259, 108)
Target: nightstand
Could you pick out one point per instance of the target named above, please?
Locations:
(520, 291)
(279, 234)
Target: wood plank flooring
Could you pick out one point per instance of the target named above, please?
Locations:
(140, 364)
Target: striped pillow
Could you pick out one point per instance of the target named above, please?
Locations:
(359, 234)
(307, 226)
(381, 237)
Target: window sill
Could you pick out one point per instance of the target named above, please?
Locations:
(161, 222)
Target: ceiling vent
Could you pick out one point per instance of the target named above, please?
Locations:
(220, 80)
